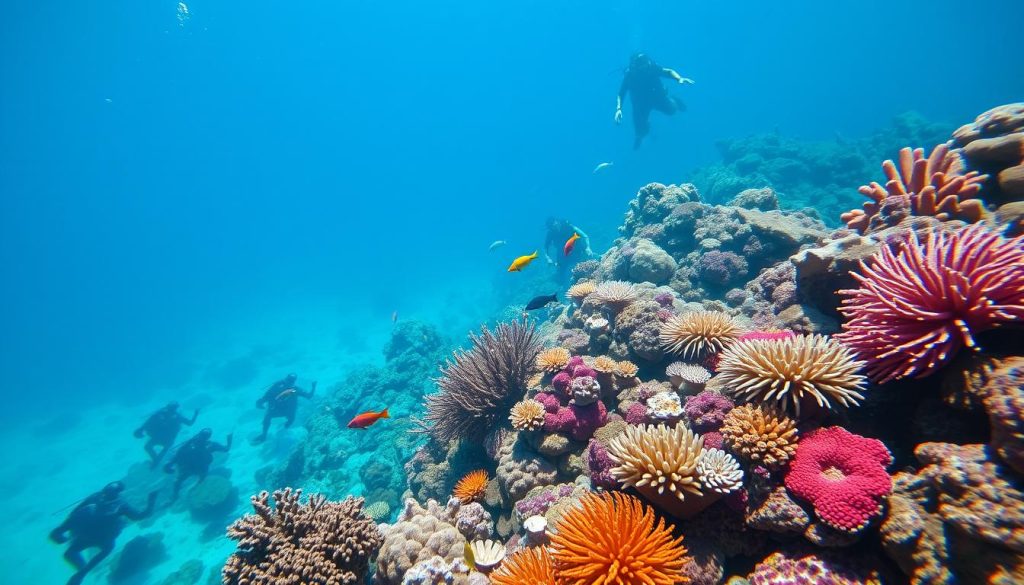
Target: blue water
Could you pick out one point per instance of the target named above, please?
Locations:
(190, 209)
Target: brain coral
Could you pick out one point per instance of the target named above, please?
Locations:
(760, 435)
(799, 371)
(698, 333)
(842, 475)
(661, 463)
(612, 539)
(318, 541)
(917, 307)
(418, 535)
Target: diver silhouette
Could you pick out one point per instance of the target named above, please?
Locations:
(96, 522)
(557, 232)
(193, 458)
(162, 427)
(642, 81)
(281, 399)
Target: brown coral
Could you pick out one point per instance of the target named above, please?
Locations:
(579, 291)
(612, 539)
(527, 566)
(604, 364)
(527, 415)
(698, 333)
(471, 487)
(760, 435)
(935, 186)
(319, 541)
(801, 371)
(552, 360)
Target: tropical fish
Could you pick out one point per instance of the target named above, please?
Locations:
(495, 245)
(570, 243)
(522, 262)
(541, 301)
(286, 392)
(467, 554)
(361, 421)
(602, 167)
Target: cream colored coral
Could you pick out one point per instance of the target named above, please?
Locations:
(760, 435)
(487, 554)
(657, 459)
(579, 291)
(719, 472)
(614, 293)
(527, 415)
(553, 359)
(626, 369)
(604, 364)
(698, 333)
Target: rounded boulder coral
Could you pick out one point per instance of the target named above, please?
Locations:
(760, 435)
(842, 475)
(801, 371)
(527, 415)
(698, 333)
(612, 538)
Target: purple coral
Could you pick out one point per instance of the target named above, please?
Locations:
(713, 440)
(707, 410)
(550, 402)
(599, 465)
(637, 414)
(665, 299)
(582, 371)
(578, 421)
(721, 268)
(561, 382)
(574, 362)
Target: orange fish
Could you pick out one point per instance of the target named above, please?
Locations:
(570, 243)
(361, 421)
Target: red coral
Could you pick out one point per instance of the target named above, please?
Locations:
(842, 475)
(917, 307)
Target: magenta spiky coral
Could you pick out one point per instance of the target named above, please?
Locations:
(842, 475)
(918, 306)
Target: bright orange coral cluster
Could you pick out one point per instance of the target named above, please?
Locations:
(471, 487)
(611, 539)
(527, 566)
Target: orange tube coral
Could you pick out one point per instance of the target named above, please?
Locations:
(471, 487)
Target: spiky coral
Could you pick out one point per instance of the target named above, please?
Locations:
(612, 539)
(626, 369)
(660, 462)
(916, 308)
(760, 435)
(792, 372)
(604, 364)
(479, 386)
(526, 566)
(935, 186)
(842, 475)
(471, 487)
(527, 415)
(698, 333)
(579, 291)
(719, 472)
(552, 360)
(614, 293)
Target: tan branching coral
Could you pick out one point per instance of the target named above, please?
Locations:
(604, 364)
(626, 369)
(698, 333)
(612, 539)
(760, 435)
(615, 294)
(935, 186)
(552, 360)
(579, 291)
(526, 566)
(660, 462)
(527, 415)
(471, 487)
(314, 542)
(801, 371)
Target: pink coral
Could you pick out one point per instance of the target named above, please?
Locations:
(707, 410)
(583, 372)
(550, 402)
(561, 382)
(713, 440)
(577, 421)
(842, 475)
(599, 466)
(574, 362)
(917, 307)
(637, 414)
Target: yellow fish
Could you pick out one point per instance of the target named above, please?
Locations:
(522, 262)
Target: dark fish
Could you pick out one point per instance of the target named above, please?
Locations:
(541, 301)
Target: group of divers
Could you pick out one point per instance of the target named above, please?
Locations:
(96, 521)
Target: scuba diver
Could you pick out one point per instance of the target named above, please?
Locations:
(96, 523)
(558, 233)
(281, 400)
(642, 80)
(162, 427)
(194, 458)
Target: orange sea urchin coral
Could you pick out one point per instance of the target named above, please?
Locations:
(526, 566)
(698, 333)
(611, 539)
(553, 359)
(471, 487)
(760, 435)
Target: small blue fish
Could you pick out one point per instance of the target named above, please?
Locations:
(602, 167)
(497, 244)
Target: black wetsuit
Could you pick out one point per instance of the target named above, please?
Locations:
(193, 458)
(281, 400)
(558, 233)
(162, 429)
(642, 81)
(96, 522)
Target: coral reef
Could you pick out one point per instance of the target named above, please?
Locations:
(316, 541)
(707, 411)
(527, 566)
(994, 144)
(527, 415)
(820, 568)
(760, 435)
(471, 487)
(1003, 399)
(698, 333)
(719, 472)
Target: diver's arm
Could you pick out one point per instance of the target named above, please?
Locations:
(305, 394)
(195, 415)
(618, 99)
(672, 74)
(133, 514)
(215, 447)
(60, 533)
(586, 240)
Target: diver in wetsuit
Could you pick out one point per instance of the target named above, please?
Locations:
(162, 427)
(558, 232)
(281, 400)
(96, 522)
(642, 81)
(194, 458)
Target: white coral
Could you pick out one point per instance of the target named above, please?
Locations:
(719, 471)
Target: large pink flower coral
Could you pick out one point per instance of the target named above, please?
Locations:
(917, 307)
(842, 475)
